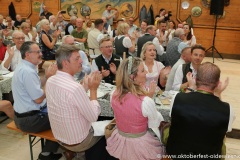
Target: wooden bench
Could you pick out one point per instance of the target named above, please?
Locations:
(45, 135)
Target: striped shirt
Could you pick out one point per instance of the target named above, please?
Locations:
(70, 109)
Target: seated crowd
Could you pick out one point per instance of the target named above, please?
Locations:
(139, 61)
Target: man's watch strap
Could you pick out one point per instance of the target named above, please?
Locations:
(190, 89)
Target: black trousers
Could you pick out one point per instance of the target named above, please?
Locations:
(37, 123)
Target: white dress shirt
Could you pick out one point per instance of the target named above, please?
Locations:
(172, 74)
(16, 59)
(179, 77)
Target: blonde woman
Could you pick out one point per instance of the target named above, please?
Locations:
(134, 112)
(123, 42)
(47, 41)
(156, 71)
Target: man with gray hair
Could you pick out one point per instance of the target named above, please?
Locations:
(71, 111)
(70, 26)
(30, 106)
(172, 54)
(13, 56)
(18, 21)
(86, 68)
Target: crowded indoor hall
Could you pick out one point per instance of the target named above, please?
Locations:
(119, 80)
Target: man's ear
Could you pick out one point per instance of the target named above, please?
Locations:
(65, 63)
(27, 54)
(217, 84)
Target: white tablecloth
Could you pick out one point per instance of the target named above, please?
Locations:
(106, 109)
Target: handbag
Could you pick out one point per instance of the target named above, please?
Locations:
(164, 131)
(110, 128)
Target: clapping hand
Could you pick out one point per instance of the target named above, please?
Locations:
(94, 80)
(113, 68)
(10, 50)
(84, 82)
(105, 72)
(51, 70)
(152, 88)
(164, 72)
(56, 33)
(191, 81)
(221, 87)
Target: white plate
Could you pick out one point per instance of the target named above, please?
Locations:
(99, 94)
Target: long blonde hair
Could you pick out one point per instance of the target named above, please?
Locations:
(125, 80)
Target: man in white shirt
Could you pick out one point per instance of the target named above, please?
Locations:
(185, 58)
(70, 26)
(162, 33)
(58, 22)
(13, 56)
(94, 37)
(180, 79)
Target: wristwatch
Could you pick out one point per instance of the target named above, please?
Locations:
(190, 89)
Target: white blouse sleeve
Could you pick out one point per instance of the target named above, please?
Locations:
(159, 66)
(149, 110)
(127, 42)
(231, 119)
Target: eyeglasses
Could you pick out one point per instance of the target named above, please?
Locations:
(38, 52)
(20, 38)
(107, 47)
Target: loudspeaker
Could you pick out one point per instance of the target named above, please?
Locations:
(216, 7)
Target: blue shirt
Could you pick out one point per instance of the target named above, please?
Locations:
(26, 87)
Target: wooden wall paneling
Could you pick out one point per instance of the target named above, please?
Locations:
(23, 7)
(228, 31)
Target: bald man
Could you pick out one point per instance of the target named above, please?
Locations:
(185, 58)
(79, 33)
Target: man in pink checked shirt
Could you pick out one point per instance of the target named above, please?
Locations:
(70, 110)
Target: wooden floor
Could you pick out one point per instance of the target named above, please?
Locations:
(14, 146)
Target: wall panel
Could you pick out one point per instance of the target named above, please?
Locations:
(228, 31)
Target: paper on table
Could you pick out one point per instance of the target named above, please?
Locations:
(99, 127)
(165, 101)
